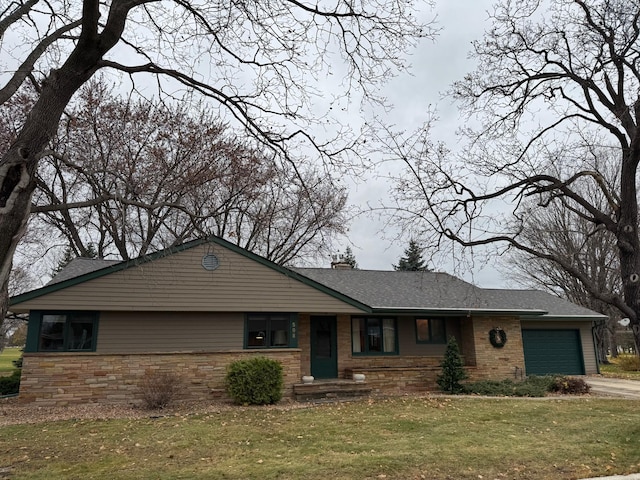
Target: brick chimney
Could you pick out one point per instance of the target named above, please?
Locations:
(339, 264)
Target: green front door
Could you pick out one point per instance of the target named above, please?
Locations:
(324, 355)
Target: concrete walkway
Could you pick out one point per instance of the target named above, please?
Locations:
(614, 387)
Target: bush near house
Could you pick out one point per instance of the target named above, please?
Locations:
(453, 371)
(570, 386)
(10, 385)
(530, 387)
(256, 381)
(159, 389)
(533, 386)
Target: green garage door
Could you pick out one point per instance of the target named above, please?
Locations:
(552, 351)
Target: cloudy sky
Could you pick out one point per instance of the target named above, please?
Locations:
(435, 66)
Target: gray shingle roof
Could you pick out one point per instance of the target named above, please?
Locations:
(555, 306)
(433, 290)
(80, 266)
(395, 290)
(391, 289)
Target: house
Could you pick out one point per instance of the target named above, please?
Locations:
(100, 327)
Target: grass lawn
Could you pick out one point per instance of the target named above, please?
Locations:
(401, 438)
(613, 370)
(6, 357)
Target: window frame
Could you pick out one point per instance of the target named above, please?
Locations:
(431, 341)
(291, 331)
(367, 348)
(34, 334)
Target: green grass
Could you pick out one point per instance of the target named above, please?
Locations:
(6, 358)
(401, 438)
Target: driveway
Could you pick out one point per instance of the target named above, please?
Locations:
(614, 387)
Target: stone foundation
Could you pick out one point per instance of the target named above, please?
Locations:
(399, 380)
(65, 378)
(73, 378)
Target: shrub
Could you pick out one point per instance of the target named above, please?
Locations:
(531, 387)
(18, 362)
(255, 381)
(570, 385)
(159, 389)
(452, 369)
(10, 385)
(629, 363)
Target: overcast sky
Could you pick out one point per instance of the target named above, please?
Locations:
(435, 66)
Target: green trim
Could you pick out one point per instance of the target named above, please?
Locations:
(180, 248)
(442, 341)
(323, 366)
(34, 330)
(368, 353)
(292, 330)
(294, 323)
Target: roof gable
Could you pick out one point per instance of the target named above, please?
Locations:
(174, 279)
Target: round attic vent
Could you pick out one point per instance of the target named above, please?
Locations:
(210, 262)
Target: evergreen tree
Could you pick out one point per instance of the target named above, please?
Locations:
(69, 255)
(64, 261)
(349, 258)
(452, 369)
(412, 259)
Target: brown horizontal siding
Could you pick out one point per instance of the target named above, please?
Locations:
(179, 282)
(132, 332)
(588, 349)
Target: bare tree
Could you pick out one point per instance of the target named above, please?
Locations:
(126, 178)
(557, 229)
(256, 60)
(555, 80)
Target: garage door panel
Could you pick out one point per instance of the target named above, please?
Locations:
(553, 352)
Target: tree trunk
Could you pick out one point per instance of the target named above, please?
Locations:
(627, 235)
(600, 332)
(18, 165)
(613, 341)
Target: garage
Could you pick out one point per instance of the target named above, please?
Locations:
(552, 351)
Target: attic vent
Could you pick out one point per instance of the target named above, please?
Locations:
(210, 262)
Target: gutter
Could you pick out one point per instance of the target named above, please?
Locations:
(465, 312)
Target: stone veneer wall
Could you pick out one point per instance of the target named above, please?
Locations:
(66, 378)
(404, 374)
(398, 375)
(386, 373)
(497, 363)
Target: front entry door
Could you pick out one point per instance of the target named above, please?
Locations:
(324, 355)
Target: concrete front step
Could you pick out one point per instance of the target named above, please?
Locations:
(330, 389)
